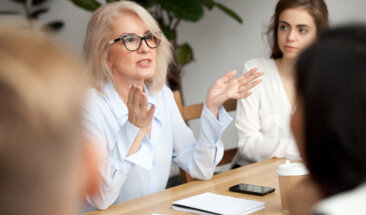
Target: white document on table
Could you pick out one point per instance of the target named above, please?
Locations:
(211, 203)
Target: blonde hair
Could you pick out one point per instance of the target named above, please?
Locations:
(97, 37)
(42, 91)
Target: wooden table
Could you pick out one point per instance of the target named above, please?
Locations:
(261, 173)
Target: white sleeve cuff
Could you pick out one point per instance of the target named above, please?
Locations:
(129, 131)
(124, 141)
(211, 127)
(144, 156)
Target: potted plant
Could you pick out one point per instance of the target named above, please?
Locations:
(32, 10)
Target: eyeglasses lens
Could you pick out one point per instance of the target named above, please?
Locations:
(133, 42)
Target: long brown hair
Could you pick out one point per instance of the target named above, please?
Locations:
(316, 8)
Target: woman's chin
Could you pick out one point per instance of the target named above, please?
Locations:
(291, 55)
(146, 73)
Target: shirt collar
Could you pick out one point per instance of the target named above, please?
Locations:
(118, 108)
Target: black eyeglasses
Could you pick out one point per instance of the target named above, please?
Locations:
(132, 42)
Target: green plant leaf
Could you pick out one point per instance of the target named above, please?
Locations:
(208, 3)
(229, 12)
(145, 3)
(19, 1)
(188, 10)
(184, 54)
(90, 5)
(9, 12)
(167, 32)
(53, 26)
(35, 14)
(142, 2)
(38, 2)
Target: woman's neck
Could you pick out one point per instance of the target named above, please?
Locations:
(286, 71)
(286, 67)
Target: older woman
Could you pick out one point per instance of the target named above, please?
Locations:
(133, 115)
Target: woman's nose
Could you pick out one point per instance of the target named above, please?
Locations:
(291, 35)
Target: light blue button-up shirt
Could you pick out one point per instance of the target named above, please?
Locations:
(147, 171)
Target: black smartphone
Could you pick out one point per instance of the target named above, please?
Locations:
(252, 189)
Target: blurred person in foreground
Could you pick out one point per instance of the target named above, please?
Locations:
(46, 164)
(329, 123)
(133, 116)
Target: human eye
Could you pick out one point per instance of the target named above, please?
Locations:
(283, 27)
(303, 30)
(149, 36)
(129, 38)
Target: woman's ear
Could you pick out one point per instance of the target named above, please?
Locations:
(90, 166)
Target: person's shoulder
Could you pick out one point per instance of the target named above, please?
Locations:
(163, 95)
(165, 91)
(94, 100)
(93, 92)
(265, 65)
(260, 63)
(94, 95)
(349, 202)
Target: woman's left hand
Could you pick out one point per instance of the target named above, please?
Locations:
(228, 87)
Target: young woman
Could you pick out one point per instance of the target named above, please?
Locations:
(329, 123)
(262, 120)
(133, 116)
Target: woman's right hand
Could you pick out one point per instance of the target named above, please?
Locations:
(139, 114)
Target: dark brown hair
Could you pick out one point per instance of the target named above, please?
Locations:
(316, 8)
(330, 82)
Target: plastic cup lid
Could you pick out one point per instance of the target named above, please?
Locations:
(292, 169)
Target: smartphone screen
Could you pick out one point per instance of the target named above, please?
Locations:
(252, 189)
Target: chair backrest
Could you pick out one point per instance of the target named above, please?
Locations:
(190, 112)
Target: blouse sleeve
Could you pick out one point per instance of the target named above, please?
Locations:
(253, 146)
(198, 157)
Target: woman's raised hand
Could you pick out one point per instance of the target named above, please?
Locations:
(139, 114)
(228, 87)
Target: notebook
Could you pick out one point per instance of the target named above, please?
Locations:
(211, 203)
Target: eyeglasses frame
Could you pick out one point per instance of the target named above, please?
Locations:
(141, 39)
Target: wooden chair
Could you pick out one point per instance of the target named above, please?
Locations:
(190, 112)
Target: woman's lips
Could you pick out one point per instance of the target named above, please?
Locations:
(144, 62)
(290, 48)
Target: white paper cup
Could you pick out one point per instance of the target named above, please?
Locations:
(289, 174)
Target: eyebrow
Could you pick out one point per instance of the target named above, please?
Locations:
(146, 32)
(298, 26)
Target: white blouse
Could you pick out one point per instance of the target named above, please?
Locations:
(348, 202)
(263, 119)
(147, 171)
